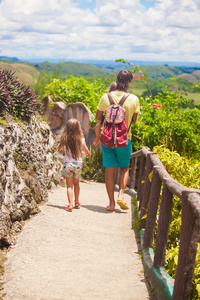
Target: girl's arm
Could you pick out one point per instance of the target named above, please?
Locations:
(59, 148)
(85, 150)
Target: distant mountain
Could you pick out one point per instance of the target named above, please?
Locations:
(29, 72)
(13, 59)
(108, 64)
(113, 64)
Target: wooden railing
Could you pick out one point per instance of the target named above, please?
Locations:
(148, 194)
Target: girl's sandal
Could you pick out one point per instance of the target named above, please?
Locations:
(77, 205)
(68, 208)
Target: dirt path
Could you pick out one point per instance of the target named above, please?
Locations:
(86, 254)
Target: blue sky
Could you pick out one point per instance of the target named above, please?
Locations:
(160, 30)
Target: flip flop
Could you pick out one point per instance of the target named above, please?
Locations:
(68, 208)
(122, 204)
(107, 208)
(77, 206)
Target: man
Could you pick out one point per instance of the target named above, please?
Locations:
(118, 156)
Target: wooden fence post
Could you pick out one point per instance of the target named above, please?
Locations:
(152, 208)
(146, 191)
(133, 173)
(163, 227)
(189, 238)
(141, 178)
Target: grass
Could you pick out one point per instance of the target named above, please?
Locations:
(138, 91)
(25, 73)
(195, 97)
(2, 261)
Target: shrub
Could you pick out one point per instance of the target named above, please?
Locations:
(163, 121)
(92, 166)
(16, 98)
(76, 90)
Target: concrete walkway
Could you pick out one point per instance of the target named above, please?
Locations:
(86, 254)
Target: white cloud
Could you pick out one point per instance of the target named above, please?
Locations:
(170, 30)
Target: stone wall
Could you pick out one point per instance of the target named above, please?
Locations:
(59, 113)
(29, 167)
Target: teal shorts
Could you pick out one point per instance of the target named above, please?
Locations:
(117, 156)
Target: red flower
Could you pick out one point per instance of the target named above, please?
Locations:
(136, 76)
(156, 105)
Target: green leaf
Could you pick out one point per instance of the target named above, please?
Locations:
(144, 217)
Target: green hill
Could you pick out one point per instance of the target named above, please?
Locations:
(72, 68)
(29, 73)
(165, 72)
(25, 73)
(159, 71)
(189, 77)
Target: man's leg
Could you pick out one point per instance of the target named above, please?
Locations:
(123, 180)
(110, 185)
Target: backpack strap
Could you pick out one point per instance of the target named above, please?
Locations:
(124, 98)
(121, 101)
(110, 99)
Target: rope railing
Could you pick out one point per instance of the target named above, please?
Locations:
(163, 186)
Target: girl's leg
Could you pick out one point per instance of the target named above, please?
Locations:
(76, 190)
(70, 184)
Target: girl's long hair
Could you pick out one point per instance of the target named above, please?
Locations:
(71, 139)
(112, 87)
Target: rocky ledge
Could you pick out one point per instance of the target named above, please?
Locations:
(29, 166)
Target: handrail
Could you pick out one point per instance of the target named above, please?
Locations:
(148, 194)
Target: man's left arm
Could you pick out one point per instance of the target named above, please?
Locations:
(134, 118)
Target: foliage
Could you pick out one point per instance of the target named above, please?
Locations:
(92, 166)
(187, 172)
(46, 76)
(163, 121)
(16, 98)
(197, 87)
(76, 89)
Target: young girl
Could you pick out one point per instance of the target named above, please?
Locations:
(98, 126)
(73, 142)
